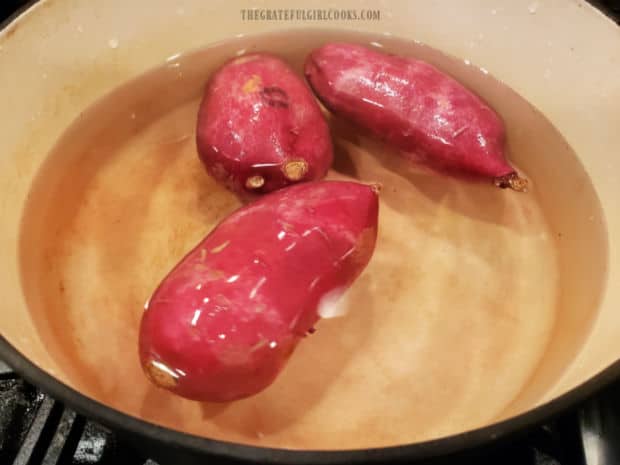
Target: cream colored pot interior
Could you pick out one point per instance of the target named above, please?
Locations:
(479, 304)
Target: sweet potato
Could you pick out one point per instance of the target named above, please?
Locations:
(223, 323)
(415, 107)
(259, 127)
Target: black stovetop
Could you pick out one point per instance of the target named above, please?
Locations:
(36, 429)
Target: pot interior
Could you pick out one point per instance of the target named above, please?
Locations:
(473, 307)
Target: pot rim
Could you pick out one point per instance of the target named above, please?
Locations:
(435, 448)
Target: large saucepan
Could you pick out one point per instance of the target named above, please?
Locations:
(483, 311)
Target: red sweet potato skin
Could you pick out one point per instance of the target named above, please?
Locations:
(411, 105)
(256, 116)
(223, 323)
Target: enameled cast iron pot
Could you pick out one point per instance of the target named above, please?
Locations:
(479, 378)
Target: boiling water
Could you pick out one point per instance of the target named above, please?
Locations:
(455, 323)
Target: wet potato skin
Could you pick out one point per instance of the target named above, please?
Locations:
(415, 107)
(260, 128)
(223, 323)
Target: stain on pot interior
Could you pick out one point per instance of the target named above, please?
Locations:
(470, 309)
